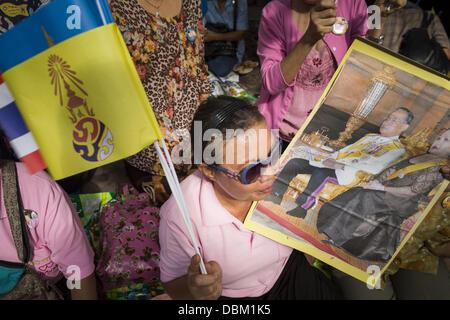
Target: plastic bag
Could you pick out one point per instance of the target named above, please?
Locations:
(88, 206)
(234, 89)
(216, 88)
(228, 86)
(135, 291)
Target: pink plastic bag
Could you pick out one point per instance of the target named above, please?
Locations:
(129, 248)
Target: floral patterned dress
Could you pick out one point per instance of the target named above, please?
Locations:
(171, 67)
(12, 12)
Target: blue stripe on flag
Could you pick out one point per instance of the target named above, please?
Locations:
(59, 20)
(12, 122)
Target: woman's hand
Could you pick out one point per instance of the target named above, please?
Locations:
(323, 16)
(210, 35)
(387, 7)
(374, 185)
(227, 36)
(204, 286)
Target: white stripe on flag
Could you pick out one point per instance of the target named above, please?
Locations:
(5, 96)
(24, 145)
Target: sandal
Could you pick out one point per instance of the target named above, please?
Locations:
(250, 64)
(241, 69)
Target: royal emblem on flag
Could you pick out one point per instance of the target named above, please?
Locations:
(91, 138)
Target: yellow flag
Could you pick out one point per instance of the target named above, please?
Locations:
(84, 102)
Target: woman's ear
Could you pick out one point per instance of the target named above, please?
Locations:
(207, 171)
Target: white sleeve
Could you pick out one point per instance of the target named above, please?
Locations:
(375, 165)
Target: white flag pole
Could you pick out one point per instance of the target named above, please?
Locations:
(169, 160)
(174, 184)
(180, 195)
(100, 10)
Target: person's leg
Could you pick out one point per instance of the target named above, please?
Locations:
(290, 170)
(415, 285)
(315, 184)
(319, 178)
(221, 65)
(300, 281)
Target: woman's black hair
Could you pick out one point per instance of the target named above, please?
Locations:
(224, 113)
(5, 151)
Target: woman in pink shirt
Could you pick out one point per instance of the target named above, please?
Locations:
(59, 246)
(240, 262)
(299, 54)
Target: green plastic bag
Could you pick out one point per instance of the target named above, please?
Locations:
(136, 291)
(88, 206)
(228, 88)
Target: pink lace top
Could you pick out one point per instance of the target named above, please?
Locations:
(312, 78)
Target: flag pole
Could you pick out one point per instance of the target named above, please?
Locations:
(177, 194)
(102, 15)
(180, 195)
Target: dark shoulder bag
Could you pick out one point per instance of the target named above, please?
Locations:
(417, 45)
(221, 48)
(17, 280)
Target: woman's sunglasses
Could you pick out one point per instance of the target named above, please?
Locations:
(252, 172)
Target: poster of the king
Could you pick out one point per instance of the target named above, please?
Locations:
(363, 171)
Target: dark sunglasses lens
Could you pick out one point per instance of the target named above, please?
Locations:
(253, 173)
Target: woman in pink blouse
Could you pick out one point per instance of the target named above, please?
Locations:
(59, 246)
(240, 263)
(299, 53)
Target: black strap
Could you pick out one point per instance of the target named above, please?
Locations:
(14, 210)
(426, 20)
(25, 235)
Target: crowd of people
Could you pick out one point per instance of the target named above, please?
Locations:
(173, 45)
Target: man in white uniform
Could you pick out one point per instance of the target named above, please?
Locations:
(371, 154)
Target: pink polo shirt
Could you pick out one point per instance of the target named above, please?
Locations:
(250, 263)
(56, 235)
(277, 36)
